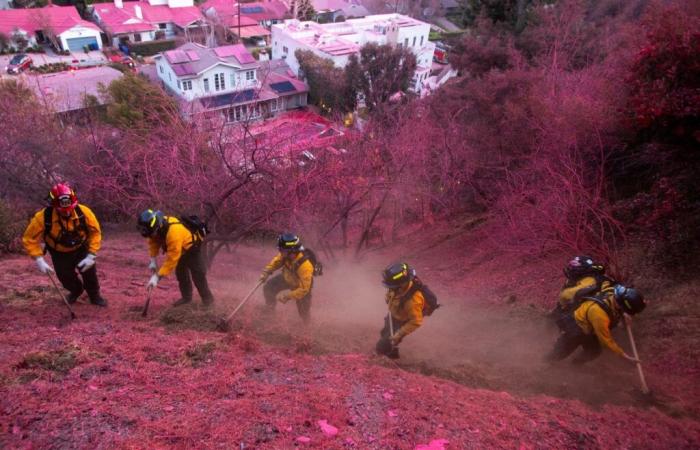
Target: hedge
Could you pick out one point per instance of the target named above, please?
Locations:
(151, 48)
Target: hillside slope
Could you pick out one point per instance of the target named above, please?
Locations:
(113, 379)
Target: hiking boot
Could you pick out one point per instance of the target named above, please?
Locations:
(72, 297)
(207, 303)
(393, 353)
(182, 301)
(99, 301)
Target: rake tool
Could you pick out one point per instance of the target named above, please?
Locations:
(144, 313)
(65, 300)
(223, 324)
(645, 387)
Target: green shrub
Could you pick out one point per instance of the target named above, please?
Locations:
(151, 48)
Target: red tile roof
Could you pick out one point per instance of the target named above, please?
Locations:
(58, 18)
(124, 20)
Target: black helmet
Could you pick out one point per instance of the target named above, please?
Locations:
(396, 275)
(289, 242)
(629, 299)
(581, 266)
(149, 222)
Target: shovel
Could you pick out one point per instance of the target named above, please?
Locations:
(65, 300)
(223, 324)
(645, 387)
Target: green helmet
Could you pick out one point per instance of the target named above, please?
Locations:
(397, 275)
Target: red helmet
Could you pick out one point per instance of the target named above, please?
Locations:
(63, 199)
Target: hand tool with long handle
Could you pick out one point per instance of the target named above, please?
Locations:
(65, 300)
(144, 313)
(645, 387)
(223, 323)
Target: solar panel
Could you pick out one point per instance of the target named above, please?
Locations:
(229, 99)
(184, 69)
(176, 56)
(252, 9)
(282, 87)
(192, 55)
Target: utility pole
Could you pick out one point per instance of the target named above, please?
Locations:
(240, 39)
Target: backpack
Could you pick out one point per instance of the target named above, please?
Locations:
(600, 301)
(65, 238)
(196, 226)
(310, 255)
(431, 300)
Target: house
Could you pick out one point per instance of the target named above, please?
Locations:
(255, 18)
(227, 82)
(65, 92)
(59, 25)
(147, 20)
(337, 41)
(337, 10)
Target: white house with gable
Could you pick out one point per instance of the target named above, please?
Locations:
(337, 41)
(228, 80)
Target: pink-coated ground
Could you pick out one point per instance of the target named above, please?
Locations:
(120, 381)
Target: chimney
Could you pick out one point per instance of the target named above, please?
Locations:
(119, 4)
(137, 11)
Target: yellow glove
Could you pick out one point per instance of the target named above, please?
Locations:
(264, 276)
(282, 296)
(396, 339)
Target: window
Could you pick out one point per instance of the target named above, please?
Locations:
(285, 49)
(187, 85)
(273, 105)
(170, 78)
(219, 83)
(250, 75)
(414, 41)
(137, 37)
(421, 40)
(179, 85)
(405, 42)
(206, 85)
(237, 113)
(161, 69)
(233, 79)
(255, 110)
(161, 26)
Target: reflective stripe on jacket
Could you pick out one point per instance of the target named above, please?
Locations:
(34, 233)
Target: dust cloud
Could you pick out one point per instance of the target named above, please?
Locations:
(491, 347)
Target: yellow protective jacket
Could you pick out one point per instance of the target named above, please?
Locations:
(178, 239)
(299, 277)
(593, 319)
(410, 312)
(583, 287)
(34, 233)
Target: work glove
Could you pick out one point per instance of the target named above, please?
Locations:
(87, 262)
(43, 266)
(264, 276)
(282, 296)
(396, 339)
(153, 265)
(153, 282)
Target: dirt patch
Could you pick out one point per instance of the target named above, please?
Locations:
(200, 353)
(190, 318)
(59, 361)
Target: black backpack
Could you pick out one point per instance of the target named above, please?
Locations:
(65, 237)
(600, 301)
(310, 255)
(431, 300)
(196, 226)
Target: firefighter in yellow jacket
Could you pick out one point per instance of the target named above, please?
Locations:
(584, 277)
(183, 254)
(72, 236)
(590, 325)
(297, 277)
(408, 301)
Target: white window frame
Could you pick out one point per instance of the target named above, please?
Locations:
(205, 83)
(187, 85)
(219, 82)
(273, 105)
(250, 75)
(179, 85)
